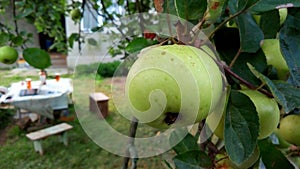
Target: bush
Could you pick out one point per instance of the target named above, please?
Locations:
(102, 69)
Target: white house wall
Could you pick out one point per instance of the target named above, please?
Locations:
(89, 53)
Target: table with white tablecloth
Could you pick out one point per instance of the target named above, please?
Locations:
(42, 99)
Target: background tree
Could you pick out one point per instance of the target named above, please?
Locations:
(253, 38)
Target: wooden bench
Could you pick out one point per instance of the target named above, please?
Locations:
(39, 135)
(99, 104)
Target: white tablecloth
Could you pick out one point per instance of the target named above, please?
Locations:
(41, 99)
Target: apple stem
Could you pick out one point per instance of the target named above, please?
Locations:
(130, 150)
(245, 82)
(208, 145)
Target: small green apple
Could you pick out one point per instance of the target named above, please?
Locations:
(283, 14)
(174, 85)
(257, 18)
(289, 129)
(271, 49)
(75, 14)
(282, 143)
(211, 122)
(268, 112)
(8, 55)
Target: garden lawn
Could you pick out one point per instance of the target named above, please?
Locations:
(82, 152)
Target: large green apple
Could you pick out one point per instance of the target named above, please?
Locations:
(268, 113)
(289, 129)
(271, 49)
(8, 55)
(174, 85)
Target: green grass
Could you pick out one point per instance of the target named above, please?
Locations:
(82, 152)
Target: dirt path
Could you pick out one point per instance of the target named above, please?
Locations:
(3, 135)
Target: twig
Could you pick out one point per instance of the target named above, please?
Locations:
(139, 9)
(130, 151)
(235, 58)
(245, 82)
(15, 21)
(110, 17)
(229, 18)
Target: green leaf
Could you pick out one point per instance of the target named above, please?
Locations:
(289, 37)
(18, 40)
(267, 5)
(245, 4)
(194, 159)
(280, 98)
(72, 38)
(138, 44)
(4, 38)
(228, 51)
(37, 58)
(23, 14)
(273, 158)
(250, 33)
(241, 127)
(191, 10)
(270, 23)
(290, 92)
(214, 10)
(189, 142)
(92, 41)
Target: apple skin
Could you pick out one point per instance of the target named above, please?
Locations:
(289, 129)
(8, 55)
(282, 143)
(271, 49)
(268, 113)
(173, 81)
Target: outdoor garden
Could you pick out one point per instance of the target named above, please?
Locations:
(195, 84)
(17, 151)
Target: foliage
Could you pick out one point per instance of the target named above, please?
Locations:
(102, 69)
(236, 28)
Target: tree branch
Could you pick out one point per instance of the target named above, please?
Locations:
(245, 82)
(228, 19)
(130, 151)
(110, 17)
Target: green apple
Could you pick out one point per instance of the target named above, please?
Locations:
(75, 14)
(174, 85)
(268, 112)
(8, 55)
(283, 14)
(282, 143)
(271, 49)
(257, 18)
(213, 121)
(289, 129)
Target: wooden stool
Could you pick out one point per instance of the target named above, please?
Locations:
(99, 104)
